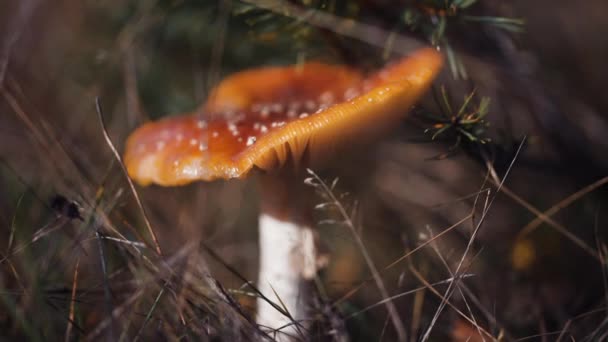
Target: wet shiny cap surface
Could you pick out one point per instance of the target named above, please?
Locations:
(268, 117)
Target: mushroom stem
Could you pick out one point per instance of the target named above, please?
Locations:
(288, 261)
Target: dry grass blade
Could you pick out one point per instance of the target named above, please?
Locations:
(124, 170)
(403, 294)
(52, 226)
(40, 233)
(347, 221)
(158, 273)
(541, 336)
(52, 152)
(551, 222)
(14, 272)
(149, 314)
(236, 273)
(106, 284)
(68, 330)
(447, 267)
(417, 308)
(544, 216)
(485, 211)
(359, 286)
(117, 312)
(289, 315)
(564, 330)
(11, 236)
(428, 242)
(447, 302)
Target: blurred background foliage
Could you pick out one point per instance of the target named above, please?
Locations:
(522, 99)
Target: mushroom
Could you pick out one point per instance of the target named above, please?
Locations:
(279, 120)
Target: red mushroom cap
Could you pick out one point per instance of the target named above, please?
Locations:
(271, 116)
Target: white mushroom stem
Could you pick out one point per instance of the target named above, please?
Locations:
(288, 260)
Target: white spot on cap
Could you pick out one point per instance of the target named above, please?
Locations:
(294, 106)
(233, 129)
(251, 140)
(276, 108)
(310, 105)
(200, 124)
(193, 141)
(292, 113)
(265, 112)
(350, 94)
(327, 97)
(160, 145)
(303, 115)
(230, 113)
(191, 171)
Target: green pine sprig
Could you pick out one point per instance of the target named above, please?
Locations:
(466, 123)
